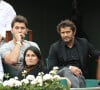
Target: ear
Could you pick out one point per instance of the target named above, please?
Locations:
(26, 30)
(11, 31)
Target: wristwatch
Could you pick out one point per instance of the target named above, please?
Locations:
(70, 67)
(19, 43)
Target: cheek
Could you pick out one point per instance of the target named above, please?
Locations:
(70, 35)
(35, 60)
(61, 35)
(26, 60)
(24, 31)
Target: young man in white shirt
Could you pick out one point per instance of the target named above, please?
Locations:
(12, 52)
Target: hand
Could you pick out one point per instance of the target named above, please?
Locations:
(19, 37)
(75, 70)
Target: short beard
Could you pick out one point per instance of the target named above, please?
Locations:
(70, 42)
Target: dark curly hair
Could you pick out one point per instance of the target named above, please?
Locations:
(66, 23)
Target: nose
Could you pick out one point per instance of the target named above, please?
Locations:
(65, 34)
(19, 30)
(30, 57)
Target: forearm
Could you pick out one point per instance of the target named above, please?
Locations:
(12, 57)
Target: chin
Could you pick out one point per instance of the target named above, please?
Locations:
(66, 41)
(29, 64)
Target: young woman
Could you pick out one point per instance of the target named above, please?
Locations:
(32, 62)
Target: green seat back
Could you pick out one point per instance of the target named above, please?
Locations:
(92, 83)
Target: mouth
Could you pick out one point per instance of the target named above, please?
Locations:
(66, 39)
(22, 37)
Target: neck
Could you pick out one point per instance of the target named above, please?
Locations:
(70, 44)
(14, 39)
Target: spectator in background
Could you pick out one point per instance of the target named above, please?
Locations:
(7, 13)
(71, 53)
(12, 52)
(32, 63)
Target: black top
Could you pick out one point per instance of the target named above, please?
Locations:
(72, 56)
(33, 71)
(60, 55)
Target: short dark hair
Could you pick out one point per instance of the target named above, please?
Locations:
(66, 23)
(19, 18)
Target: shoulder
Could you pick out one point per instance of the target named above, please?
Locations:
(57, 43)
(32, 44)
(7, 47)
(8, 44)
(84, 40)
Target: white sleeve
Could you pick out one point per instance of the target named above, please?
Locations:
(9, 17)
(1, 70)
(7, 13)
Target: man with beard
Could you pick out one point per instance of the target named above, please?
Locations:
(70, 54)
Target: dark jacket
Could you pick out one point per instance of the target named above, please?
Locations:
(58, 57)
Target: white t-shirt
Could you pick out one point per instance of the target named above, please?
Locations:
(8, 47)
(7, 13)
